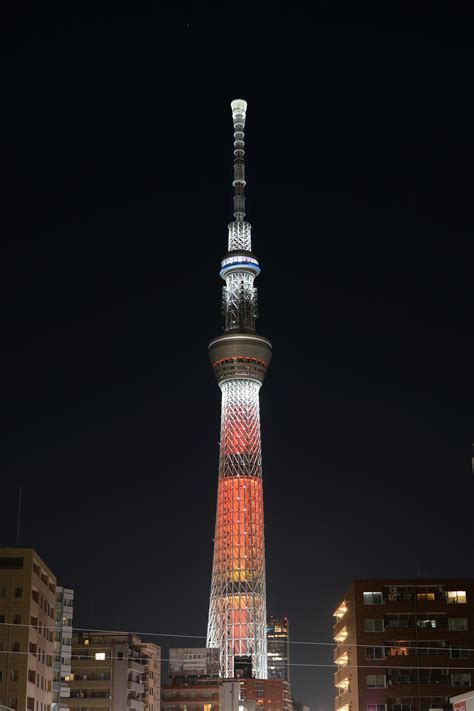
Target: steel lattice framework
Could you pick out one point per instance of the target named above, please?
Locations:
(240, 358)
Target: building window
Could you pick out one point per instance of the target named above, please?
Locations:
(400, 676)
(373, 625)
(456, 596)
(425, 596)
(2, 619)
(460, 680)
(400, 620)
(375, 652)
(14, 675)
(427, 624)
(399, 707)
(99, 656)
(3, 592)
(457, 624)
(15, 646)
(458, 653)
(1, 675)
(373, 598)
(18, 592)
(376, 707)
(399, 648)
(375, 681)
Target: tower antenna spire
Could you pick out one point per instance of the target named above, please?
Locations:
(239, 112)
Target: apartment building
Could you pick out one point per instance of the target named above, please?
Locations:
(267, 694)
(27, 621)
(114, 672)
(404, 645)
(62, 648)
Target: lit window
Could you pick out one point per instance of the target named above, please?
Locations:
(427, 623)
(86, 642)
(375, 681)
(373, 598)
(457, 624)
(425, 596)
(456, 596)
(376, 707)
(100, 656)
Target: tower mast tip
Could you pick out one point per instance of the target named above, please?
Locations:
(238, 105)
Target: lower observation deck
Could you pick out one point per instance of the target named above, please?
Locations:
(237, 354)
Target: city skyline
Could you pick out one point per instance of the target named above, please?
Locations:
(116, 148)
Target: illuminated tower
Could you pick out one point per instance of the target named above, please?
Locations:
(240, 358)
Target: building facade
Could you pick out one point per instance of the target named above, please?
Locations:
(62, 648)
(240, 358)
(404, 645)
(228, 695)
(278, 648)
(267, 694)
(114, 672)
(27, 626)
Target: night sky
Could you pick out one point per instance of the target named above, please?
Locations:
(117, 154)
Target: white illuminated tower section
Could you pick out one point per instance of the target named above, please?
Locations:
(240, 358)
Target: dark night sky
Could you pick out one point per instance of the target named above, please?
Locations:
(117, 153)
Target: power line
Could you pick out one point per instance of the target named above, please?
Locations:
(333, 644)
(291, 664)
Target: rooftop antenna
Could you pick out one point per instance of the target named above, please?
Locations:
(19, 517)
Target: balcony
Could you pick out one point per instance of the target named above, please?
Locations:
(341, 633)
(341, 677)
(74, 703)
(136, 665)
(341, 611)
(341, 655)
(135, 686)
(342, 685)
(90, 683)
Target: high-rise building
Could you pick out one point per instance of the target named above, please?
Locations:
(404, 645)
(27, 625)
(240, 358)
(62, 648)
(114, 672)
(278, 648)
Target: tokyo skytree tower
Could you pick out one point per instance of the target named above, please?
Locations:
(240, 358)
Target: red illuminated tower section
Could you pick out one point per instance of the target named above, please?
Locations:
(240, 358)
